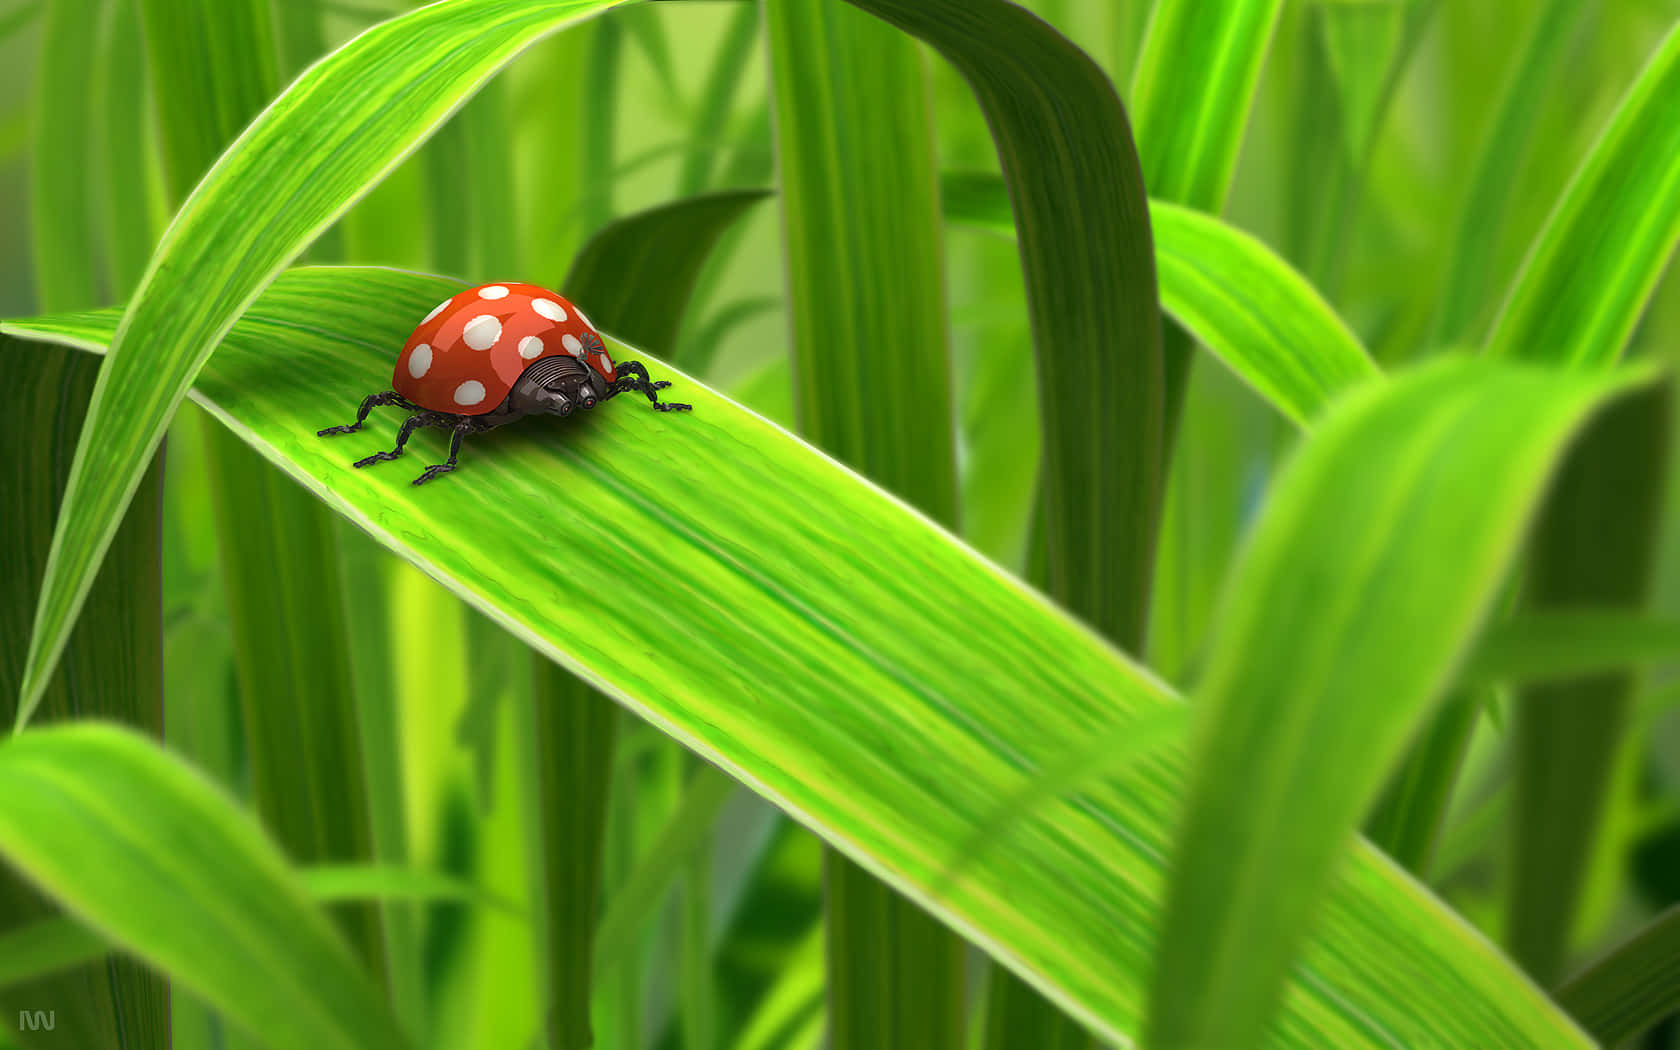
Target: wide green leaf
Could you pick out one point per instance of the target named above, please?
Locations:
(1589, 274)
(303, 162)
(727, 555)
(1376, 557)
(1235, 295)
(156, 859)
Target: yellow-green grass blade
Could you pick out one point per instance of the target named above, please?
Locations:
(799, 627)
(1632, 986)
(1361, 41)
(1191, 92)
(333, 133)
(58, 943)
(1235, 295)
(111, 667)
(143, 849)
(279, 561)
(131, 217)
(1594, 266)
(717, 99)
(1596, 543)
(870, 349)
(1544, 643)
(1378, 553)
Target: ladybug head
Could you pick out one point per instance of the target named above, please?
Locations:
(559, 385)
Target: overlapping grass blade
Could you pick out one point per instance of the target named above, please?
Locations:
(317, 148)
(792, 570)
(1592, 269)
(1632, 986)
(1190, 95)
(1559, 643)
(866, 285)
(1378, 553)
(1261, 317)
(144, 850)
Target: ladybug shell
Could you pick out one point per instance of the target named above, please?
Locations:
(467, 354)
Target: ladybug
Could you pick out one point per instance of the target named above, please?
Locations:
(494, 353)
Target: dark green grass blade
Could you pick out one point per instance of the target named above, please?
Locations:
(1264, 321)
(1078, 200)
(63, 212)
(1596, 544)
(312, 153)
(762, 581)
(130, 219)
(637, 274)
(1632, 986)
(872, 386)
(149, 853)
(1380, 549)
(1594, 266)
(111, 668)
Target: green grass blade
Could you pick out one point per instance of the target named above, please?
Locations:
(1361, 41)
(763, 581)
(652, 256)
(1592, 269)
(111, 667)
(1077, 196)
(717, 99)
(1596, 544)
(144, 850)
(1408, 504)
(128, 164)
(871, 385)
(1561, 643)
(317, 148)
(47, 946)
(1632, 986)
(1466, 290)
(1191, 92)
(61, 182)
(1261, 317)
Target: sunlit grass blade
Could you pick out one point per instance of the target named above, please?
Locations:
(1592, 269)
(1595, 544)
(1261, 317)
(1377, 555)
(759, 581)
(1632, 986)
(147, 852)
(334, 132)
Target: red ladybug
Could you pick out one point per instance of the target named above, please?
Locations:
(494, 353)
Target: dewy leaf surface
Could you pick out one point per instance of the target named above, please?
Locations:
(795, 625)
(1380, 549)
(330, 137)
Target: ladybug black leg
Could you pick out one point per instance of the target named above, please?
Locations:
(389, 397)
(636, 377)
(461, 431)
(410, 425)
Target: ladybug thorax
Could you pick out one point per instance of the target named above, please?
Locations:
(469, 354)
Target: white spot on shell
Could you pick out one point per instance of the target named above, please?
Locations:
(582, 318)
(606, 362)
(549, 309)
(419, 360)
(571, 343)
(469, 393)
(530, 348)
(493, 291)
(438, 309)
(482, 332)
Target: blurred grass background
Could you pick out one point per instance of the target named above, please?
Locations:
(1363, 181)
